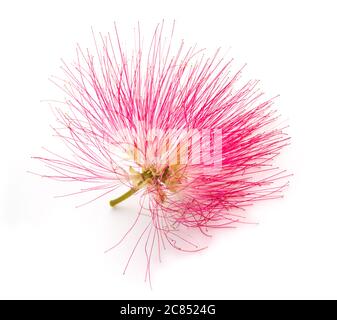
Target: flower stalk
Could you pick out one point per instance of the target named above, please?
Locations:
(123, 197)
(145, 177)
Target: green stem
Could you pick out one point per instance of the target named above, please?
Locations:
(128, 193)
(123, 197)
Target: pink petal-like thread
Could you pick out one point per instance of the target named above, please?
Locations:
(171, 112)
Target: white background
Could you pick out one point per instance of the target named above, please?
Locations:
(50, 249)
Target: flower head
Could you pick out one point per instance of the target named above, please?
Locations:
(178, 128)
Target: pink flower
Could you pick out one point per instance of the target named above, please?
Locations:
(174, 126)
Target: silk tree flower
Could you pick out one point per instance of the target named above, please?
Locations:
(173, 125)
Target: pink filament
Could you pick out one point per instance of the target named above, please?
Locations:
(115, 100)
